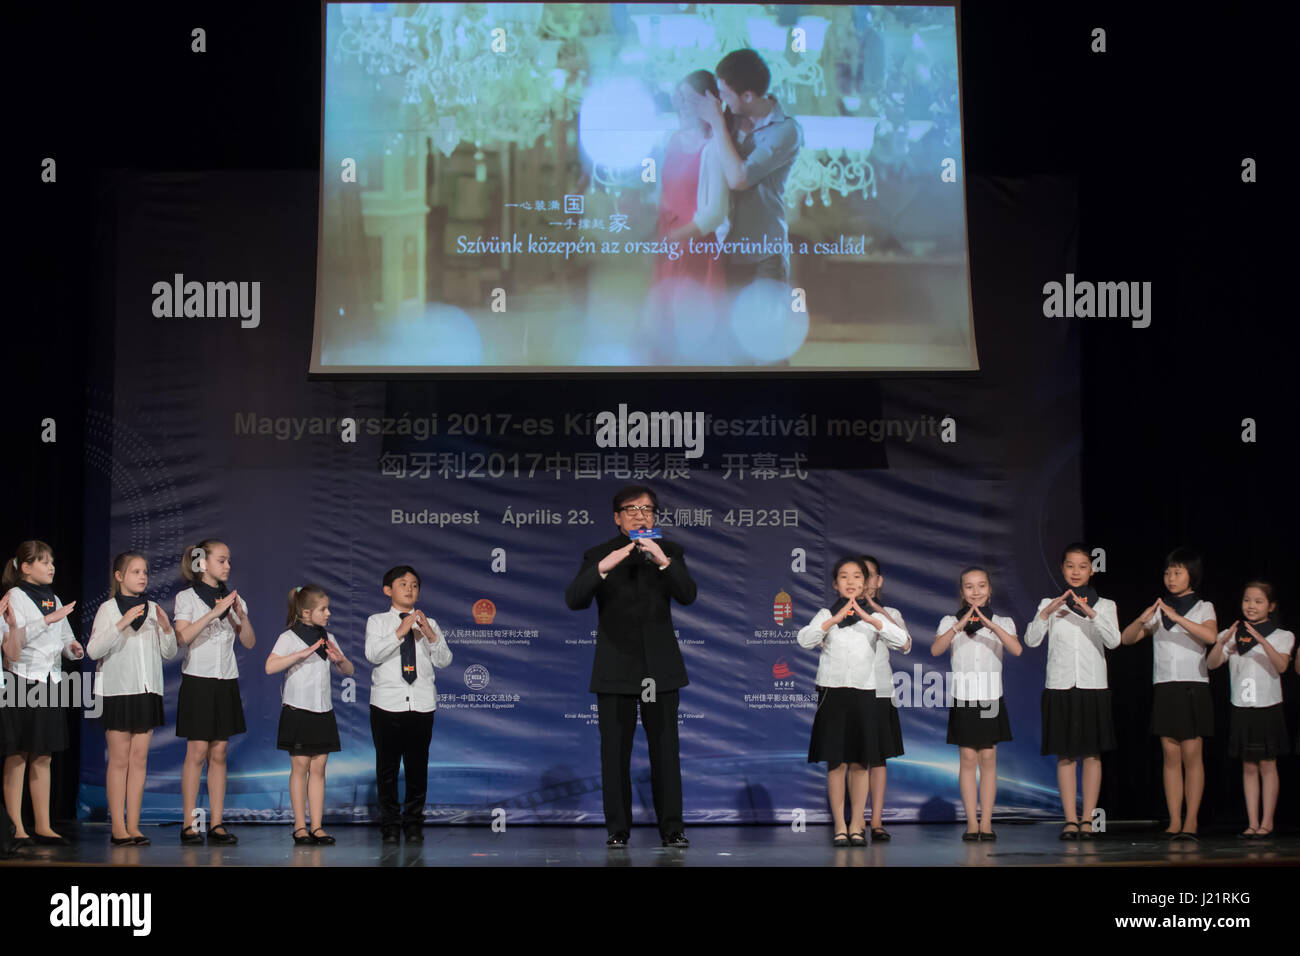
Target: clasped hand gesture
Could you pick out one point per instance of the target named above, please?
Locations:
(1057, 603)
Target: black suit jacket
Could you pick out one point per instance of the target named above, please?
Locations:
(634, 630)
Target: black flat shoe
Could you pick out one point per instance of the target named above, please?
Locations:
(841, 839)
(1088, 834)
(969, 837)
(987, 837)
(141, 840)
(224, 838)
(55, 840)
(1264, 834)
(676, 839)
(325, 840)
(191, 837)
(858, 839)
(879, 835)
(1068, 834)
(124, 841)
(1169, 834)
(23, 842)
(302, 840)
(1184, 837)
(618, 840)
(414, 835)
(391, 835)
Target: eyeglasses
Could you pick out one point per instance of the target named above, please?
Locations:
(638, 509)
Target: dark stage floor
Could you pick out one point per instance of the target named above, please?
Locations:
(1025, 844)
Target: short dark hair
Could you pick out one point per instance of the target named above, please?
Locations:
(744, 71)
(401, 571)
(848, 559)
(628, 492)
(1074, 546)
(1189, 559)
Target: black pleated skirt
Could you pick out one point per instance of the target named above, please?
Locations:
(978, 724)
(1182, 710)
(1257, 733)
(42, 729)
(133, 713)
(844, 728)
(209, 708)
(1077, 722)
(888, 728)
(306, 733)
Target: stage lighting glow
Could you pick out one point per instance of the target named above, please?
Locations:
(617, 123)
(764, 323)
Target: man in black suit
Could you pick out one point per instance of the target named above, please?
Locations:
(637, 659)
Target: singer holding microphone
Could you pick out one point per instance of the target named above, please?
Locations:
(634, 578)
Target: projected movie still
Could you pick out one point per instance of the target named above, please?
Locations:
(568, 188)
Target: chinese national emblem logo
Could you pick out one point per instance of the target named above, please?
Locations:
(484, 611)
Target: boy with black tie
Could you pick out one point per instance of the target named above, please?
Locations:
(405, 647)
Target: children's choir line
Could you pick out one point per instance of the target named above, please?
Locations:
(132, 636)
(856, 728)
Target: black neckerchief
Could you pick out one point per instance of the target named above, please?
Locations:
(1246, 640)
(1088, 593)
(210, 595)
(125, 604)
(1180, 604)
(849, 619)
(42, 596)
(309, 634)
(974, 625)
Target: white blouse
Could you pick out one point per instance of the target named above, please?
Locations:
(306, 683)
(212, 652)
(45, 642)
(130, 661)
(848, 654)
(884, 671)
(1076, 646)
(977, 660)
(388, 691)
(1252, 680)
(1177, 656)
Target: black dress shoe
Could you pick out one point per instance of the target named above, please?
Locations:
(676, 839)
(987, 837)
(618, 839)
(55, 840)
(324, 840)
(124, 841)
(142, 840)
(302, 840)
(390, 834)
(970, 837)
(224, 838)
(23, 842)
(191, 837)
(414, 835)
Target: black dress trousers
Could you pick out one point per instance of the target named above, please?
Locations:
(616, 715)
(401, 737)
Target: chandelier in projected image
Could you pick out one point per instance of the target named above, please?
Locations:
(479, 73)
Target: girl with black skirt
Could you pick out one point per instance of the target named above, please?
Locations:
(35, 726)
(844, 733)
(888, 727)
(1080, 627)
(977, 719)
(1257, 652)
(308, 729)
(209, 710)
(1184, 628)
(130, 638)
